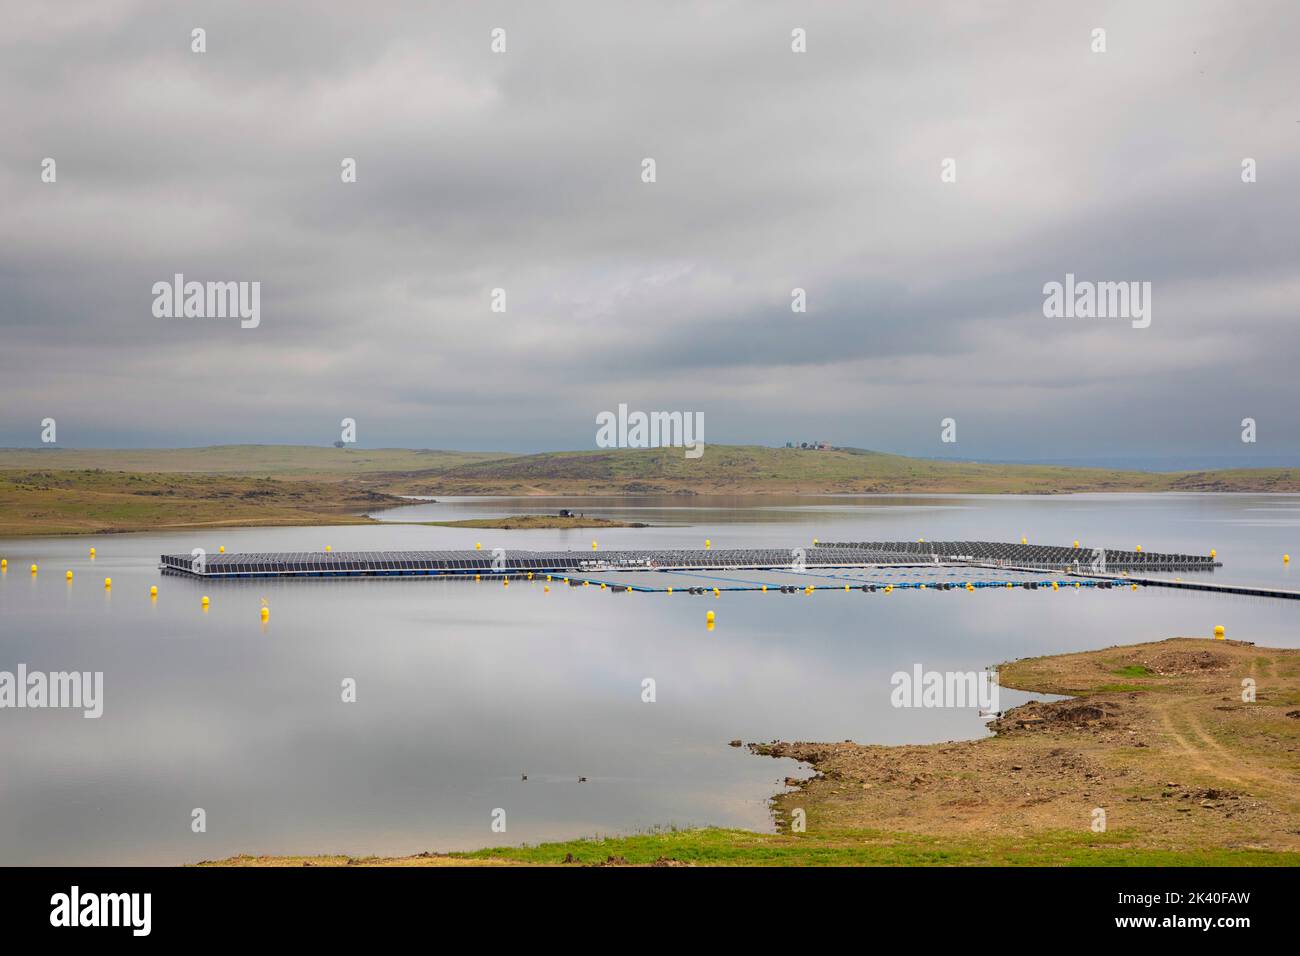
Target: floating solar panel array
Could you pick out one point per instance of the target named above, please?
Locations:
(836, 555)
(870, 566)
(371, 563)
(1035, 555)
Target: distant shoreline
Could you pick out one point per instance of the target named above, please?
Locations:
(532, 522)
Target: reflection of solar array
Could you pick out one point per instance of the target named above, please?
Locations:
(1034, 555)
(349, 563)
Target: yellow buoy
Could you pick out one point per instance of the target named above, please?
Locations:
(327, 548)
(969, 586)
(153, 591)
(764, 588)
(814, 541)
(1213, 553)
(670, 589)
(205, 600)
(889, 588)
(566, 580)
(922, 587)
(1008, 584)
(530, 575)
(629, 590)
(1138, 548)
(586, 584)
(709, 617)
(505, 582)
(4, 563)
(846, 587)
(593, 544)
(266, 613)
(1076, 542)
(1024, 540)
(1133, 586)
(548, 577)
(108, 582)
(715, 592)
(707, 544)
(68, 575)
(602, 585)
(1286, 559)
(33, 569)
(222, 549)
(476, 577)
(546, 588)
(1055, 586)
(478, 545)
(1219, 632)
(92, 553)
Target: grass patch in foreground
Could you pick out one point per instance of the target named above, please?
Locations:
(721, 847)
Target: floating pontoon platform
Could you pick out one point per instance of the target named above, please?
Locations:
(858, 566)
(835, 555)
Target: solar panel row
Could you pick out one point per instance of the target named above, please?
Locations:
(1034, 554)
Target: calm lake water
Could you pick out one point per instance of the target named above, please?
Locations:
(463, 687)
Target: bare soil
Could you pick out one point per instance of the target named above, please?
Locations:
(1173, 755)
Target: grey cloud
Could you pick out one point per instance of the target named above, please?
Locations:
(775, 171)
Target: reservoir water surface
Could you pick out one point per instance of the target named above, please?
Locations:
(462, 688)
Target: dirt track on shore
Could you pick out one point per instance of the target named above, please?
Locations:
(1158, 736)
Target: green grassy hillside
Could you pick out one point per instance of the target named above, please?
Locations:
(297, 461)
(751, 469)
(91, 501)
(59, 491)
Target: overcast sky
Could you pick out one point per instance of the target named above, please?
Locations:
(775, 170)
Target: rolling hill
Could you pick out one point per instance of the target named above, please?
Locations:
(752, 469)
(69, 491)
